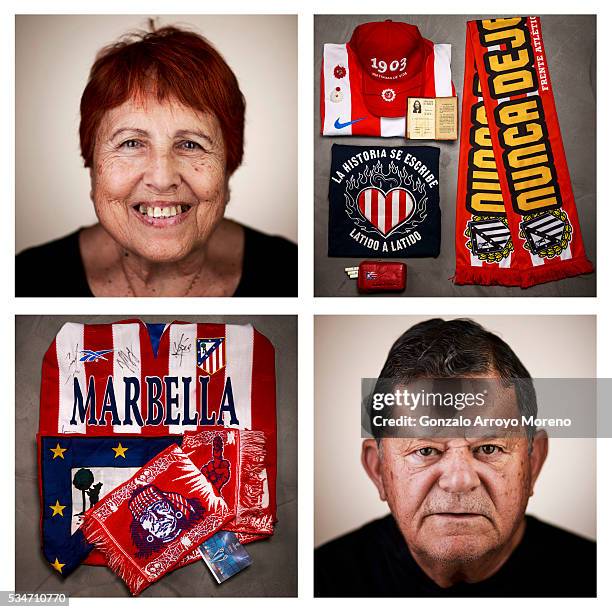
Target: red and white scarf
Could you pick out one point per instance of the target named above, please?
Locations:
(516, 223)
(150, 524)
(235, 464)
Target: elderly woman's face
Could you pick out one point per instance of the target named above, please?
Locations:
(159, 185)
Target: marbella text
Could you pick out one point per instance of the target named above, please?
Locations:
(164, 399)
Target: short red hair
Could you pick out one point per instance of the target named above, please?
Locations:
(174, 63)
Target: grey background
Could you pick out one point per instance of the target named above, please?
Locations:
(570, 44)
(274, 568)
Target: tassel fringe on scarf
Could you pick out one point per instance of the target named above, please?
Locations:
(236, 462)
(147, 526)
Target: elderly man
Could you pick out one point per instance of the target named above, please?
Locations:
(457, 525)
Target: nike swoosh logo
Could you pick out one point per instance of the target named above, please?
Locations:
(339, 125)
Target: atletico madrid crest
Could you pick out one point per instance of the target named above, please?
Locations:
(210, 354)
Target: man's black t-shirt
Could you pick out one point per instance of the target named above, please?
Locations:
(375, 561)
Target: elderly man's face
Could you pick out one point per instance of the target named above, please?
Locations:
(455, 499)
(158, 180)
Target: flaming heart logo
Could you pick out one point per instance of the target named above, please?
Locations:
(386, 211)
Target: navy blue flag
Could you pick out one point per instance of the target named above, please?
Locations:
(384, 202)
(75, 473)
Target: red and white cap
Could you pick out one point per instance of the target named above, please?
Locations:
(392, 55)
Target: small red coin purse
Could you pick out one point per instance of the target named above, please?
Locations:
(380, 276)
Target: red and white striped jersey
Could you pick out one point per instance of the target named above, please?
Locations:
(110, 379)
(343, 112)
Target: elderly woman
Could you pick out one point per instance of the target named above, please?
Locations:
(162, 128)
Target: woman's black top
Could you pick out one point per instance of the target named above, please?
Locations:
(55, 269)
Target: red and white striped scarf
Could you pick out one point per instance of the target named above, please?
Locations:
(517, 223)
(235, 464)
